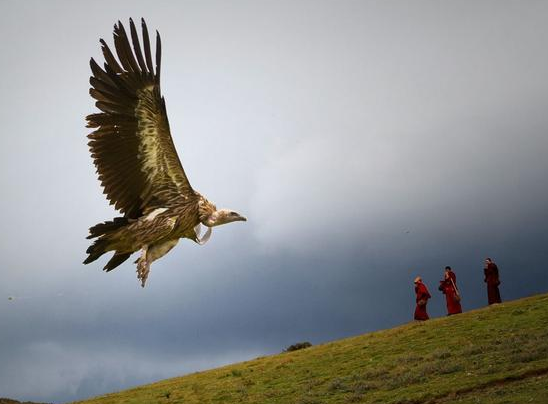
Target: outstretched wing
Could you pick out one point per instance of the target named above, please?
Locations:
(132, 147)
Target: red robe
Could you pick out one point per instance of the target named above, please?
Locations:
(422, 296)
(492, 280)
(447, 286)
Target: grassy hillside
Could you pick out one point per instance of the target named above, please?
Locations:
(498, 354)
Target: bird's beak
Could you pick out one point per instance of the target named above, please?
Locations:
(236, 217)
(231, 216)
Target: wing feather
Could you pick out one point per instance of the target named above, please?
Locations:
(137, 46)
(131, 145)
(123, 49)
(99, 74)
(146, 44)
(109, 58)
(158, 56)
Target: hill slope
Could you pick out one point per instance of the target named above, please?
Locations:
(498, 354)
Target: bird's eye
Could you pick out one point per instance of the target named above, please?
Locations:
(233, 214)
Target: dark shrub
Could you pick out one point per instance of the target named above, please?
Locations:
(297, 346)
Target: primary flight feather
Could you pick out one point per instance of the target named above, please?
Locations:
(136, 160)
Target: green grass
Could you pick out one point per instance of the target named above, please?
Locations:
(494, 355)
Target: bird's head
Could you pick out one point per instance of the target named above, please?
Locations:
(222, 216)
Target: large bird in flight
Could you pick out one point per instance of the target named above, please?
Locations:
(137, 162)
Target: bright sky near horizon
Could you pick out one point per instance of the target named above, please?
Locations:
(367, 142)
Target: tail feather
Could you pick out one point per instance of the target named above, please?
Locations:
(107, 227)
(117, 259)
(98, 248)
(103, 244)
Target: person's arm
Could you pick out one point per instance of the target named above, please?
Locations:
(425, 293)
(496, 274)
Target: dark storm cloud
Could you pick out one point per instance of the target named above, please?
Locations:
(366, 142)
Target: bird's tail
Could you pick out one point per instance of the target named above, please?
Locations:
(106, 228)
(103, 244)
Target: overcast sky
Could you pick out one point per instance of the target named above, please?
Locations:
(367, 142)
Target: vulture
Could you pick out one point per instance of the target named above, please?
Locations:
(136, 160)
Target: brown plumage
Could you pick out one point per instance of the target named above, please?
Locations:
(136, 160)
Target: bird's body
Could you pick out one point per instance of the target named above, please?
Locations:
(137, 162)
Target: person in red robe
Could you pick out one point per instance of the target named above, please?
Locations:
(492, 280)
(452, 296)
(422, 296)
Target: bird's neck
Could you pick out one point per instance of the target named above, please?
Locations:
(206, 212)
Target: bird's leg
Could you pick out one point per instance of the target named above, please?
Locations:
(143, 266)
(151, 253)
